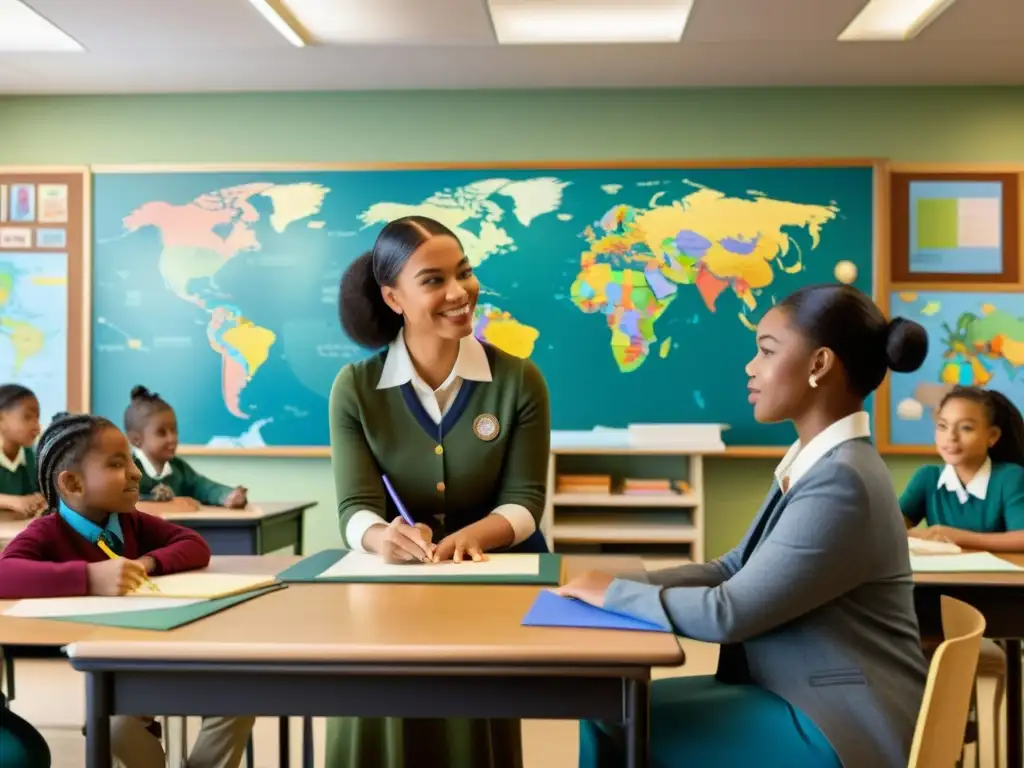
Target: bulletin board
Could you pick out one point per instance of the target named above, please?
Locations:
(44, 275)
(956, 267)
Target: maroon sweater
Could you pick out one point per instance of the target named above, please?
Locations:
(48, 558)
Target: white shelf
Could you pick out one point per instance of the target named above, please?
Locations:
(635, 528)
(623, 500)
(625, 450)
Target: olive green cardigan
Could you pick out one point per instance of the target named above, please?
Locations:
(447, 475)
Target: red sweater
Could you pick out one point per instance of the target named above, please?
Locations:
(48, 558)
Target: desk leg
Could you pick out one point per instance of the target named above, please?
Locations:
(98, 705)
(1014, 715)
(635, 707)
(284, 748)
(307, 742)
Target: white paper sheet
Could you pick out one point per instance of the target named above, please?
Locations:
(356, 564)
(929, 547)
(54, 607)
(975, 562)
(201, 584)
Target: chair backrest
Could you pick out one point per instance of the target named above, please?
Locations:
(939, 736)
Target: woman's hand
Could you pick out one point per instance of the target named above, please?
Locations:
(237, 499)
(590, 588)
(458, 546)
(937, 533)
(400, 542)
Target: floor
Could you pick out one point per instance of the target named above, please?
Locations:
(51, 696)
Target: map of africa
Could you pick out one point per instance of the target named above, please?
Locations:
(219, 290)
(974, 339)
(34, 326)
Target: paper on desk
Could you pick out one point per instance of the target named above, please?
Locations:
(974, 562)
(55, 607)
(551, 610)
(201, 585)
(929, 547)
(356, 564)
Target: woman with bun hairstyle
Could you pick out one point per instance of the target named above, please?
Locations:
(462, 432)
(821, 663)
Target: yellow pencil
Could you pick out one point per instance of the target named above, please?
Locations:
(113, 556)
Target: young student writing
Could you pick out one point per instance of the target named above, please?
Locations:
(91, 487)
(153, 432)
(19, 428)
(976, 500)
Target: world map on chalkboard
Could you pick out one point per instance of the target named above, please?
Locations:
(636, 291)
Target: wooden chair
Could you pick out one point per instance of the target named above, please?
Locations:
(992, 665)
(939, 736)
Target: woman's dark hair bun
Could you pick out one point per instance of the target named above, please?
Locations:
(906, 345)
(365, 316)
(140, 392)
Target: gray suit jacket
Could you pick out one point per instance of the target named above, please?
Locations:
(819, 596)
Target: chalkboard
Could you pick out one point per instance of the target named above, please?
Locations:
(635, 289)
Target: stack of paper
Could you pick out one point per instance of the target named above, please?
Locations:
(202, 585)
(975, 562)
(362, 564)
(706, 438)
(928, 547)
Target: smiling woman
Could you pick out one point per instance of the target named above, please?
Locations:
(462, 432)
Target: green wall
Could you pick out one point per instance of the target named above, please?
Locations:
(962, 124)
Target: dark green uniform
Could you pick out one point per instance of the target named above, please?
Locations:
(184, 481)
(22, 481)
(490, 449)
(21, 745)
(1001, 509)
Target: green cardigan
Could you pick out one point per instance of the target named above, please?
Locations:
(184, 481)
(1001, 510)
(447, 475)
(23, 481)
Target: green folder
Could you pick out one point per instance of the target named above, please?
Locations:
(163, 619)
(307, 571)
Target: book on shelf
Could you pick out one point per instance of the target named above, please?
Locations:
(706, 438)
(653, 487)
(583, 484)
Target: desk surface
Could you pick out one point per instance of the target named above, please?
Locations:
(1008, 579)
(45, 632)
(390, 624)
(263, 510)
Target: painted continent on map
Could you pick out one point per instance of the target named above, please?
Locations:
(638, 259)
(198, 238)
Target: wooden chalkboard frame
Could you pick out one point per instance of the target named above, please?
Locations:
(78, 179)
(891, 282)
(880, 216)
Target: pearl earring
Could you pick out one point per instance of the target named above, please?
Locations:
(813, 381)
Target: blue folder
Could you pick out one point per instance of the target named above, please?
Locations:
(551, 610)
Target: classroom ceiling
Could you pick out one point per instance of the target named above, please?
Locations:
(151, 46)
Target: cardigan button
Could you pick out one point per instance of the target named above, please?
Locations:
(440, 487)
(439, 450)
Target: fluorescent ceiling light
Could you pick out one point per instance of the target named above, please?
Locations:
(283, 21)
(24, 30)
(894, 19)
(554, 21)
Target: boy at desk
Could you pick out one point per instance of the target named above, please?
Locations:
(153, 432)
(93, 542)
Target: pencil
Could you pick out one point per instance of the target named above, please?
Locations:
(114, 556)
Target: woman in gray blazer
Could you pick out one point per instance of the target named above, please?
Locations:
(821, 662)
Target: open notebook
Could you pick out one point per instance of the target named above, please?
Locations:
(200, 585)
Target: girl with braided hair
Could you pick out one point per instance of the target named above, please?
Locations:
(91, 487)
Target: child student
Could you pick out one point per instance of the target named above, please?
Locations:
(91, 487)
(977, 499)
(153, 431)
(19, 428)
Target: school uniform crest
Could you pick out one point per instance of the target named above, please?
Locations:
(486, 427)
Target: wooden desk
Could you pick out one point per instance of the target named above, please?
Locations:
(44, 638)
(371, 650)
(256, 530)
(1000, 597)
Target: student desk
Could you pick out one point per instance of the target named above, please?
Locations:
(41, 638)
(373, 650)
(1000, 597)
(258, 529)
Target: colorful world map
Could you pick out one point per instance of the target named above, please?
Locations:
(975, 339)
(232, 287)
(34, 326)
